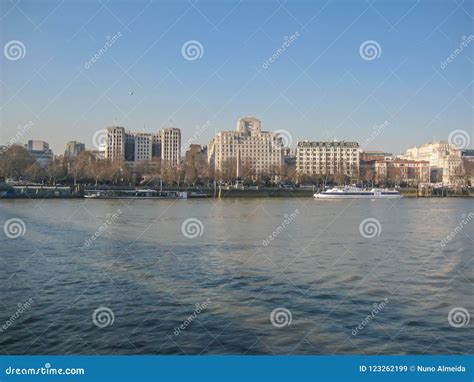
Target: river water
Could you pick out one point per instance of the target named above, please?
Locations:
(139, 277)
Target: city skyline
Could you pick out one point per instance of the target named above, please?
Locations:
(250, 153)
(317, 70)
(92, 143)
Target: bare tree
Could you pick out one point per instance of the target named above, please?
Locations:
(57, 170)
(36, 173)
(78, 168)
(14, 162)
(229, 170)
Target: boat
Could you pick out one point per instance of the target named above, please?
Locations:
(353, 192)
(193, 195)
(134, 194)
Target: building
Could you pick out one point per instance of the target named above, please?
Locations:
(156, 145)
(327, 158)
(196, 162)
(122, 145)
(98, 154)
(467, 154)
(129, 147)
(40, 151)
(143, 144)
(367, 160)
(73, 149)
(247, 124)
(115, 144)
(289, 157)
(374, 155)
(467, 158)
(444, 159)
(252, 151)
(400, 171)
(195, 151)
(171, 145)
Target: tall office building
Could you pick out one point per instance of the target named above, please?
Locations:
(327, 158)
(73, 149)
(122, 145)
(249, 146)
(171, 145)
(115, 144)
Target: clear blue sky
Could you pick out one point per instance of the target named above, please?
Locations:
(318, 88)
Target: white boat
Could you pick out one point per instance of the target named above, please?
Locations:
(352, 192)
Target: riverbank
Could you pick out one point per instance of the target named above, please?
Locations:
(267, 193)
(70, 192)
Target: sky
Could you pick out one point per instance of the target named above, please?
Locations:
(371, 71)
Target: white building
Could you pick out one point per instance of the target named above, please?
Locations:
(444, 159)
(40, 151)
(328, 158)
(171, 145)
(115, 143)
(251, 148)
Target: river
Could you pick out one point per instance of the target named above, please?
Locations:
(236, 276)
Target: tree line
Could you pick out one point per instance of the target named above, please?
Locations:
(17, 164)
